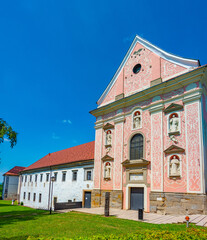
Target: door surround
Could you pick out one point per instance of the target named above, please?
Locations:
(83, 196)
(128, 194)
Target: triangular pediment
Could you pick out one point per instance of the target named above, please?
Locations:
(140, 50)
(108, 126)
(173, 107)
(107, 158)
(174, 149)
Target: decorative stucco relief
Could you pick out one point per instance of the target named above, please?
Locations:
(118, 155)
(168, 69)
(193, 148)
(137, 82)
(97, 162)
(157, 152)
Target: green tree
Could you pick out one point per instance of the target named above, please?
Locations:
(7, 132)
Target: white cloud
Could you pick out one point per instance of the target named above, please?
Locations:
(6, 139)
(67, 121)
(54, 136)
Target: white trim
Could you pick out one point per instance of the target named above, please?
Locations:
(184, 62)
(128, 187)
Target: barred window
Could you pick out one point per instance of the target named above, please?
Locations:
(136, 147)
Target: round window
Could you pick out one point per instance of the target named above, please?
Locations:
(137, 68)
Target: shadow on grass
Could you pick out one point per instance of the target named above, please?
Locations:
(19, 216)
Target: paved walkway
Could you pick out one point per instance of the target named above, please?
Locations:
(200, 220)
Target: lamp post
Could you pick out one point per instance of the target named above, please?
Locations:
(52, 179)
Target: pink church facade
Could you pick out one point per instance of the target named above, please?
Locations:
(150, 144)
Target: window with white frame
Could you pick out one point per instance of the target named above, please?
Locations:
(47, 177)
(88, 174)
(63, 176)
(74, 175)
(34, 197)
(30, 178)
(41, 176)
(55, 175)
(35, 177)
(40, 197)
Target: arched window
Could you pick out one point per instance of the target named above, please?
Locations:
(136, 147)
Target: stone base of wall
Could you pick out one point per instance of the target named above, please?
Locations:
(178, 203)
(98, 198)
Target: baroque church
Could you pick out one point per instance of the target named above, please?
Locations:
(150, 148)
(150, 141)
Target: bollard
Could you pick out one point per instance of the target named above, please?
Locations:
(187, 221)
(140, 213)
(106, 209)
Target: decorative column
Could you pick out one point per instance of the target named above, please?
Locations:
(118, 152)
(156, 148)
(194, 149)
(98, 155)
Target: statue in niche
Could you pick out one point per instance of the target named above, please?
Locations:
(108, 137)
(174, 122)
(175, 166)
(137, 120)
(107, 173)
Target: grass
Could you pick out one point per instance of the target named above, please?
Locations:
(19, 222)
(1, 189)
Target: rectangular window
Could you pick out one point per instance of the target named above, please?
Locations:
(22, 178)
(29, 196)
(55, 175)
(63, 176)
(35, 177)
(47, 177)
(24, 195)
(88, 174)
(34, 197)
(30, 179)
(25, 178)
(74, 176)
(41, 176)
(40, 197)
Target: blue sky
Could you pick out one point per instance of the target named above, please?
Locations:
(57, 57)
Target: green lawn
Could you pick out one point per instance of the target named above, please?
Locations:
(18, 222)
(1, 189)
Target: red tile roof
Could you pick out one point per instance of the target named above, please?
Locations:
(14, 171)
(74, 154)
